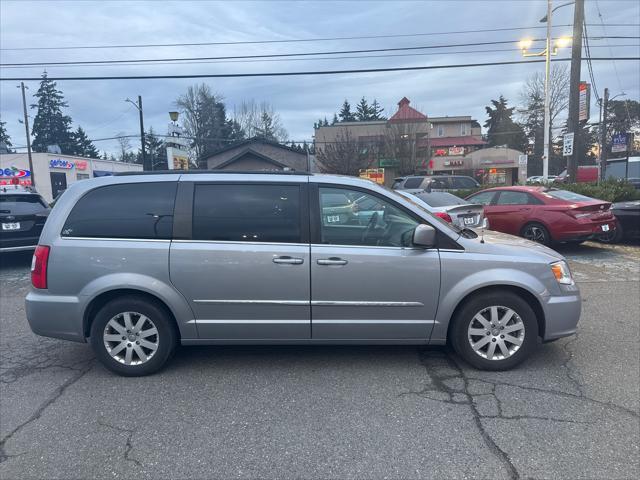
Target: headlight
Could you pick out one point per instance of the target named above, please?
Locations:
(562, 273)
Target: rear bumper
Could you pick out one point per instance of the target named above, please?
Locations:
(54, 316)
(562, 314)
(584, 231)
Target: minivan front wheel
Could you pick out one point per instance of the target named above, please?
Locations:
(132, 336)
(495, 331)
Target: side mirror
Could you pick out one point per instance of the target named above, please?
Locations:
(424, 236)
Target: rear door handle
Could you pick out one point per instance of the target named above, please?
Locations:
(286, 260)
(332, 261)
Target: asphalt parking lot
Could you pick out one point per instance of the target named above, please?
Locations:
(572, 411)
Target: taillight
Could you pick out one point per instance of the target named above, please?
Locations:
(443, 215)
(39, 266)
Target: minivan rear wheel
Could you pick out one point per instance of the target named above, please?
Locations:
(132, 336)
(494, 331)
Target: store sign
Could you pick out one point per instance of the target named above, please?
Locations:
(14, 171)
(441, 152)
(373, 174)
(59, 163)
(619, 143)
(454, 163)
(456, 150)
(585, 101)
(496, 161)
(81, 164)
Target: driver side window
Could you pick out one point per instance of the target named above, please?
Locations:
(352, 217)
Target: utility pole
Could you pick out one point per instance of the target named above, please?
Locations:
(573, 122)
(603, 135)
(146, 165)
(26, 129)
(547, 100)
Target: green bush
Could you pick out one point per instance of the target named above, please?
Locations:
(610, 190)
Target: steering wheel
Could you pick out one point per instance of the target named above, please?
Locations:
(373, 221)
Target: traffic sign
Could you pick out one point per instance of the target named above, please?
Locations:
(567, 145)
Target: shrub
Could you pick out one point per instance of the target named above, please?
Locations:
(610, 190)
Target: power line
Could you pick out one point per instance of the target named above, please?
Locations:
(302, 73)
(276, 55)
(587, 49)
(349, 57)
(321, 39)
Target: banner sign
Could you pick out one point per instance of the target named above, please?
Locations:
(585, 101)
(619, 143)
(567, 144)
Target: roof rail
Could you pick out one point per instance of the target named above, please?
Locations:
(236, 172)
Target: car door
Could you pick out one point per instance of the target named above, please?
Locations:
(486, 199)
(511, 211)
(244, 264)
(367, 281)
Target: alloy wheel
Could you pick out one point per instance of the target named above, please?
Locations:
(535, 234)
(496, 332)
(131, 338)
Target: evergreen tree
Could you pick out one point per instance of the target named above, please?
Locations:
(4, 136)
(335, 119)
(376, 111)
(50, 125)
(345, 113)
(326, 122)
(502, 130)
(155, 150)
(363, 111)
(82, 145)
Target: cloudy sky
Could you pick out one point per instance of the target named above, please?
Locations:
(99, 106)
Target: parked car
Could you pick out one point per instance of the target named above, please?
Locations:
(435, 182)
(627, 222)
(136, 264)
(452, 209)
(23, 213)
(585, 174)
(545, 215)
(540, 179)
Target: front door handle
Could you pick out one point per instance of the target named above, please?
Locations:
(332, 261)
(286, 260)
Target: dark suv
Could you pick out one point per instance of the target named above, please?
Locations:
(437, 182)
(22, 216)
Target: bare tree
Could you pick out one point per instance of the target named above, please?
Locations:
(400, 144)
(259, 120)
(533, 92)
(124, 143)
(345, 156)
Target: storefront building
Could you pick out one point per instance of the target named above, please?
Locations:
(53, 173)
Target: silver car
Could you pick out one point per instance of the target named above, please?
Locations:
(137, 264)
(452, 209)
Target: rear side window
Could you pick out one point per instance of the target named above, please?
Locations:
(132, 210)
(247, 213)
(413, 182)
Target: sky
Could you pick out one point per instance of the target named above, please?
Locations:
(100, 107)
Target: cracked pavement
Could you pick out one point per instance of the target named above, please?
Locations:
(571, 411)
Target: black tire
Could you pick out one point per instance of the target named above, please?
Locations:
(536, 232)
(464, 318)
(612, 236)
(165, 340)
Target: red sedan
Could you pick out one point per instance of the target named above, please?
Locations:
(545, 215)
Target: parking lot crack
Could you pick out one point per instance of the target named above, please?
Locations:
(128, 444)
(43, 407)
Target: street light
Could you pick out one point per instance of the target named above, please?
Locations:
(546, 53)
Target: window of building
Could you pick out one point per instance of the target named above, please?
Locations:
(440, 131)
(363, 219)
(464, 129)
(132, 210)
(247, 213)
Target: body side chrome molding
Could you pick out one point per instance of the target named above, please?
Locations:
(323, 303)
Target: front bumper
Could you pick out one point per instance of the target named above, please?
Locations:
(562, 314)
(54, 315)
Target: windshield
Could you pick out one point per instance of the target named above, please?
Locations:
(424, 207)
(567, 195)
(440, 199)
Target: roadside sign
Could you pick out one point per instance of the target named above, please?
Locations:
(619, 143)
(523, 159)
(567, 144)
(373, 174)
(585, 101)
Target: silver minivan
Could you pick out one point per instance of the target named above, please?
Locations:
(137, 264)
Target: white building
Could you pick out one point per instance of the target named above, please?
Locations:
(54, 172)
